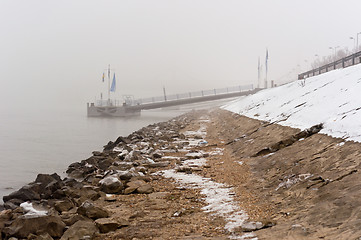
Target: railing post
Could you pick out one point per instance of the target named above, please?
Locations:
(343, 62)
(190, 95)
(353, 59)
(202, 94)
(215, 93)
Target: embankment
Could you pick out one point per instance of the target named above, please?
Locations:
(203, 175)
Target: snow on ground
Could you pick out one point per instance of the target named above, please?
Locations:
(218, 196)
(332, 98)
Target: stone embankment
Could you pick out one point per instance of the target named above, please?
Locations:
(203, 175)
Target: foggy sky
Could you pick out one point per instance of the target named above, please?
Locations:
(56, 51)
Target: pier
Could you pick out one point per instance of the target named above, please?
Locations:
(131, 107)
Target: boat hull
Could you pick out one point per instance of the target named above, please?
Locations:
(111, 111)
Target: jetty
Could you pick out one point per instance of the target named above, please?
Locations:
(129, 107)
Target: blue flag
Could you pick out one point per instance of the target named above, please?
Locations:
(112, 88)
(266, 61)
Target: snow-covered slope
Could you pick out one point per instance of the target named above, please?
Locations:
(332, 98)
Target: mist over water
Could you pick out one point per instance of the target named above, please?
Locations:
(48, 139)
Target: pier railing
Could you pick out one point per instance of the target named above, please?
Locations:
(203, 93)
(341, 63)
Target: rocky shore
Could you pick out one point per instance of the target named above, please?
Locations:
(203, 175)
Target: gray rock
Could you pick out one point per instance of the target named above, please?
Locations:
(251, 226)
(89, 210)
(111, 184)
(23, 226)
(24, 194)
(80, 230)
(124, 175)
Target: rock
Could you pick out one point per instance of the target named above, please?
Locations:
(156, 164)
(124, 175)
(110, 198)
(70, 219)
(24, 194)
(63, 205)
(122, 166)
(23, 226)
(105, 164)
(44, 236)
(138, 186)
(97, 153)
(106, 225)
(5, 216)
(45, 179)
(145, 189)
(89, 210)
(84, 193)
(13, 204)
(185, 169)
(157, 154)
(111, 184)
(80, 230)
(251, 226)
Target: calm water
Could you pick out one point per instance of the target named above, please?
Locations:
(36, 141)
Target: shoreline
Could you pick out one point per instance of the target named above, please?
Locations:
(200, 175)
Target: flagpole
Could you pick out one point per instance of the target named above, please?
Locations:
(259, 73)
(109, 84)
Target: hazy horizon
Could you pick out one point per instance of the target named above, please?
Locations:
(55, 52)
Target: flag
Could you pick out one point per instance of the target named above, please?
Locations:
(103, 77)
(109, 72)
(259, 70)
(266, 61)
(112, 88)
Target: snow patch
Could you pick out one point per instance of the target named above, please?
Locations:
(323, 99)
(31, 211)
(293, 180)
(218, 196)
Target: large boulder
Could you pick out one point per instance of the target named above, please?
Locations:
(26, 193)
(80, 230)
(48, 184)
(111, 184)
(89, 210)
(24, 225)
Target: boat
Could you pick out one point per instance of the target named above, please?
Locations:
(111, 108)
